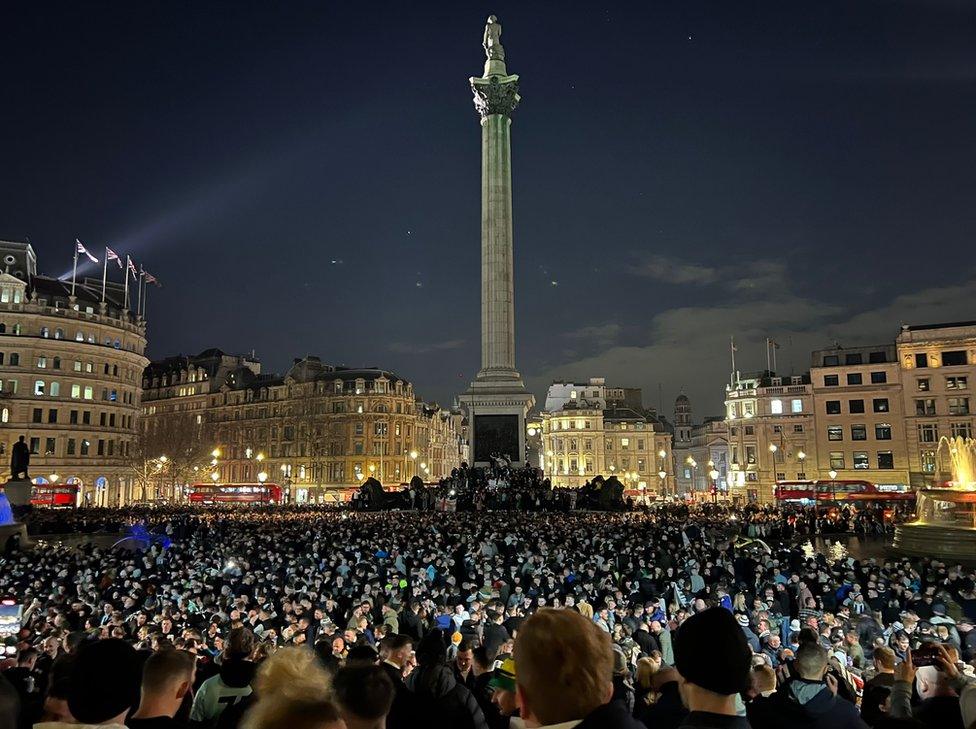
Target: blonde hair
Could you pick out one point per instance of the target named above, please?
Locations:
(646, 668)
(565, 665)
(763, 678)
(293, 691)
(585, 609)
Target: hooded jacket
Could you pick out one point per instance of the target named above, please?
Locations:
(442, 701)
(803, 704)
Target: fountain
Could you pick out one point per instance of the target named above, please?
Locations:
(945, 517)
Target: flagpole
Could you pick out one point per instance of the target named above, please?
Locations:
(104, 273)
(732, 375)
(145, 300)
(125, 295)
(768, 367)
(74, 269)
(139, 294)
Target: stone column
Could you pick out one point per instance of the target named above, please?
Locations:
(497, 402)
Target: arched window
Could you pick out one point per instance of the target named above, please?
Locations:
(44, 332)
(80, 336)
(3, 328)
(59, 333)
(14, 359)
(5, 415)
(55, 389)
(38, 387)
(56, 363)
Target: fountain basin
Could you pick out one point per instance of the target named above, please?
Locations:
(945, 527)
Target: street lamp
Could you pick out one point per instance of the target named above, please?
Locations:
(833, 486)
(215, 453)
(713, 474)
(214, 476)
(662, 474)
(260, 457)
(53, 478)
(262, 477)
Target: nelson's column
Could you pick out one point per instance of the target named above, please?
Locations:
(497, 402)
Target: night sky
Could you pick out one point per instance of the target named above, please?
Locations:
(303, 177)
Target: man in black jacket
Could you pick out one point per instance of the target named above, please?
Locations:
(809, 700)
(395, 651)
(713, 658)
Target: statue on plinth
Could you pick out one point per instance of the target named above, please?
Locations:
(20, 461)
(493, 40)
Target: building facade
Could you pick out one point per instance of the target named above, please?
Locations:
(586, 438)
(70, 378)
(316, 429)
(860, 419)
(938, 366)
(770, 421)
(709, 453)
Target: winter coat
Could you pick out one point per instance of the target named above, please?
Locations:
(802, 704)
(442, 701)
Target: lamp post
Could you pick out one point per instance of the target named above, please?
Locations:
(694, 472)
(662, 474)
(833, 486)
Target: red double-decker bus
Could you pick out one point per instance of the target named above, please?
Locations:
(56, 496)
(235, 493)
(820, 491)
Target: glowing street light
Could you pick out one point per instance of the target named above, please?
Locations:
(773, 447)
(801, 455)
(262, 477)
(662, 453)
(260, 456)
(53, 477)
(163, 459)
(215, 453)
(214, 476)
(832, 473)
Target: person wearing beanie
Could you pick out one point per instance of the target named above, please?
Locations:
(104, 685)
(808, 700)
(713, 658)
(502, 686)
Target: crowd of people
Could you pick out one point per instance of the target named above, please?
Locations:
(677, 615)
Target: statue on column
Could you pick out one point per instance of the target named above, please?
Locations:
(493, 40)
(19, 461)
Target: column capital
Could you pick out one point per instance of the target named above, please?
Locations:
(495, 95)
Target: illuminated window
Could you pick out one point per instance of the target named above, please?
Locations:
(776, 407)
(861, 460)
(837, 460)
(835, 432)
(859, 432)
(38, 387)
(796, 406)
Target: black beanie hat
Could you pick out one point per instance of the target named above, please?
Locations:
(105, 681)
(710, 651)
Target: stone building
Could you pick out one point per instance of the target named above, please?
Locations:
(585, 438)
(709, 452)
(70, 378)
(317, 428)
(938, 364)
(860, 423)
(770, 421)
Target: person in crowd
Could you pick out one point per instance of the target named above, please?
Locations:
(565, 673)
(884, 668)
(364, 694)
(665, 708)
(103, 686)
(293, 691)
(623, 689)
(438, 697)
(10, 705)
(809, 699)
(232, 682)
(395, 652)
(167, 681)
(938, 692)
(464, 664)
(712, 657)
(503, 698)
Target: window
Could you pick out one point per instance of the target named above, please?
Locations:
(961, 430)
(71, 446)
(882, 431)
(45, 332)
(856, 406)
(89, 392)
(833, 407)
(359, 428)
(77, 365)
(56, 363)
(55, 389)
(831, 360)
(85, 446)
(928, 433)
(879, 378)
(921, 360)
(76, 391)
(776, 407)
(835, 432)
(35, 446)
(831, 380)
(861, 460)
(854, 359)
(86, 417)
(958, 406)
(777, 428)
(52, 415)
(956, 383)
(925, 407)
(49, 445)
(886, 460)
(750, 454)
(880, 404)
(624, 443)
(796, 406)
(877, 357)
(42, 362)
(797, 428)
(749, 430)
(101, 447)
(837, 460)
(37, 416)
(855, 378)
(928, 461)
(4, 416)
(954, 358)
(859, 432)
(38, 387)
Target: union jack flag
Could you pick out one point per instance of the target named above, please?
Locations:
(81, 249)
(111, 255)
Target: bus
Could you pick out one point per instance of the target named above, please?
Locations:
(235, 493)
(54, 496)
(839, 490)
